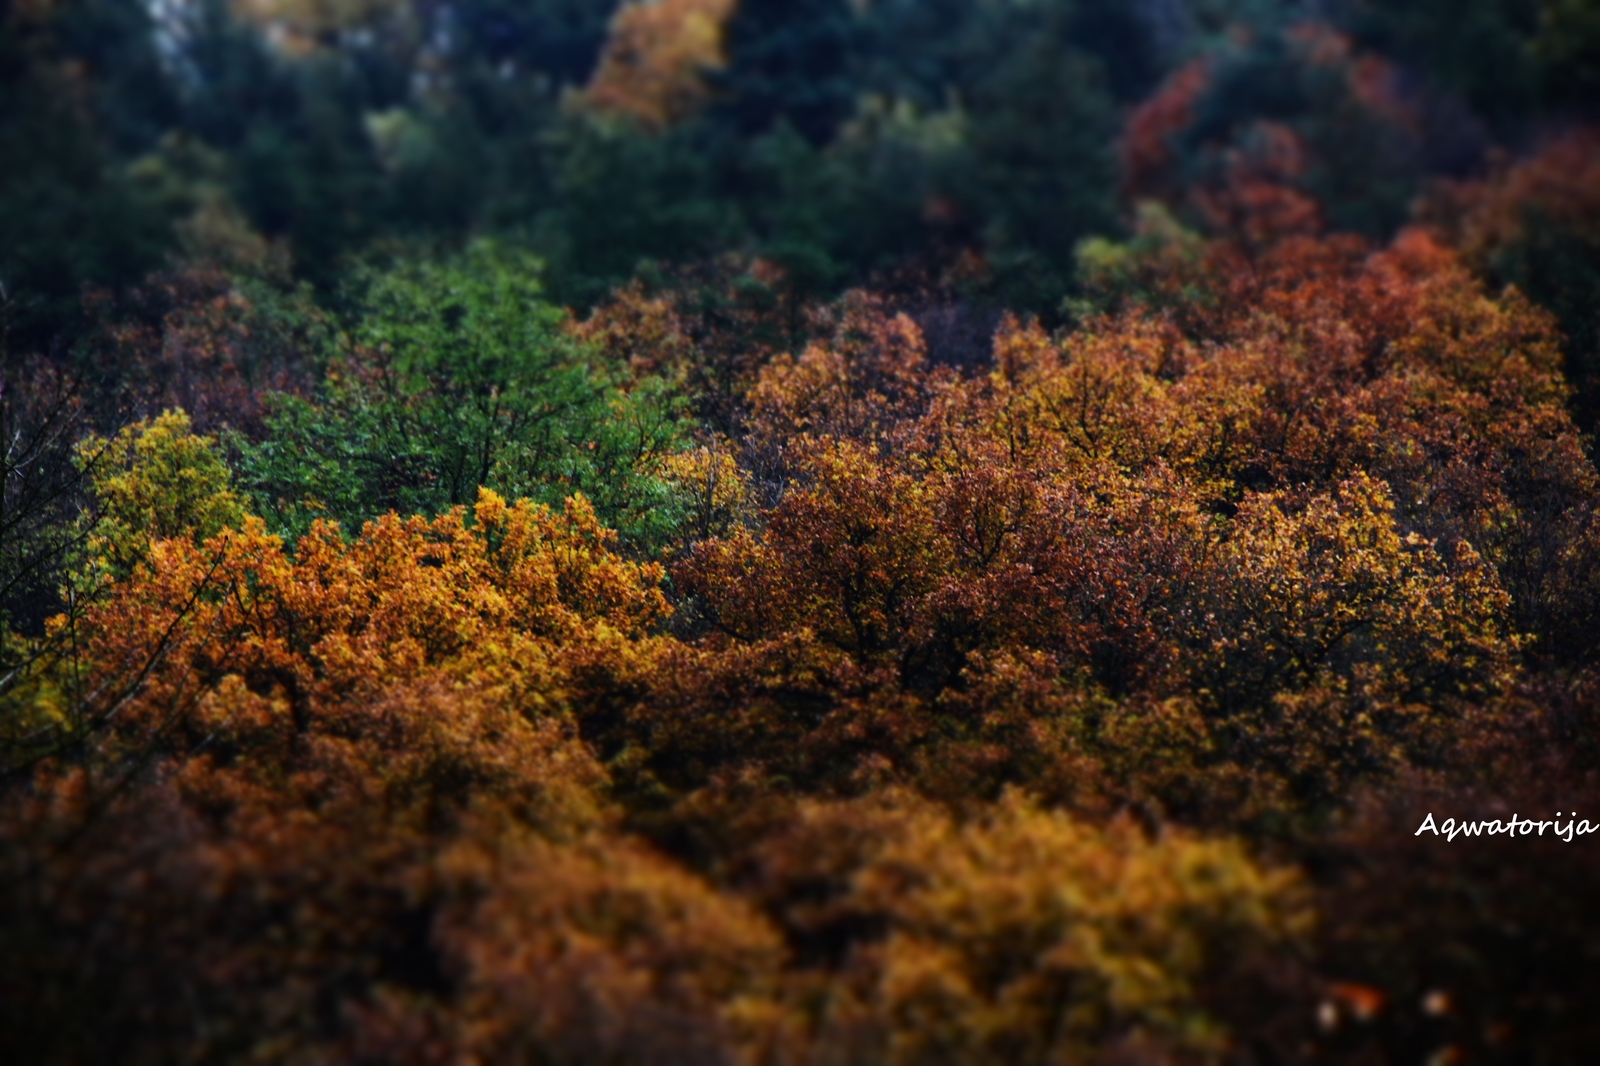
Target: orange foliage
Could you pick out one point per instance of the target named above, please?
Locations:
(1019, 936)
(319, 723)
(899, 772)
(715, 327)
(605, 951)
(1331, 507)
(655, 60)
(637, 330)
(866, 373)
(380, 837)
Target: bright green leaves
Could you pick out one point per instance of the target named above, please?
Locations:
(459, 375)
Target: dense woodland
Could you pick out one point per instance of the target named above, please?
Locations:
(798, 531)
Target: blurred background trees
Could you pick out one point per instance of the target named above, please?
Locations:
(839, 139)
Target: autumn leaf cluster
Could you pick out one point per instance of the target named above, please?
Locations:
(976, 716)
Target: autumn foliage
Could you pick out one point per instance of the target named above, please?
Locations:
(742, 670)
(942, 734)
(656, 59)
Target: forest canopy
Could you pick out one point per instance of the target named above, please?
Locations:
(912, 531)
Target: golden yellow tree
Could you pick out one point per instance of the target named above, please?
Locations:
(655, 60)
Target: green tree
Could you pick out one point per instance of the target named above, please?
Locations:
(81, 96)
(460, 375)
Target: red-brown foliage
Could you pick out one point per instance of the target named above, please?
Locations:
(191, 339)
(1535, 224)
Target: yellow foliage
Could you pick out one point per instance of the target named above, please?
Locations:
(655, 60)
(712, 488)
(154, 481)
(1022, 935)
